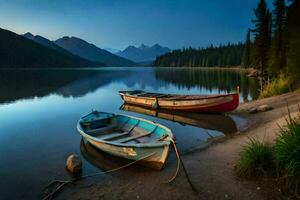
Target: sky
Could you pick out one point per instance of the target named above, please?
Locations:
(119, 23)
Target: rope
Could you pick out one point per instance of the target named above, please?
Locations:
(179, 161)
(62, 183)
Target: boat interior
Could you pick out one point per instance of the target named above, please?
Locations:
(140, 93)
(121, 129)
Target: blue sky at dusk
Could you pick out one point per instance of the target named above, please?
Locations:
(119, 23)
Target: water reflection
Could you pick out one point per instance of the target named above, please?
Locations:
(210, 80)
(26, 84)
(53, 101)
(101, 160)
(218, 122)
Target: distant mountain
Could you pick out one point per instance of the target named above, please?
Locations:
(19, 52)
(112, 50)
(91, 52)
(143, 53)
(45, 42)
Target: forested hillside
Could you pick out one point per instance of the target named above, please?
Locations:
(19, 52)
(220, 56)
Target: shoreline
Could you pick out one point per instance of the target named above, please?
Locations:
(211, 169)
(104, 67)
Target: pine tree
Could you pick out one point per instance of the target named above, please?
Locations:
(262, 36)
(277, 59)
(293, 37)
(247, 49)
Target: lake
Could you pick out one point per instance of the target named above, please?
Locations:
(39, 110)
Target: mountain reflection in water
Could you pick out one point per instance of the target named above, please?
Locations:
(26, 84)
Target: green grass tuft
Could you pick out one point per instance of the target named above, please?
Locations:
(261, 159)
(287, 153)
(255, 159)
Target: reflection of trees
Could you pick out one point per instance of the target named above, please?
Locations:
(210, 79)
(19, 84)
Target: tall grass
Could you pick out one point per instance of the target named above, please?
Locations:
(275, 87)
(287, 153)
(255, 159)
(259, 159)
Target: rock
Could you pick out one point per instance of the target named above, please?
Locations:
(252, 110)
(258, 188)
(263, 108)
(253, 73)
(74, 164)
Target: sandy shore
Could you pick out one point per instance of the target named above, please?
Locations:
(211, 170)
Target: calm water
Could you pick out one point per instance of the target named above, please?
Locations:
(39, 110)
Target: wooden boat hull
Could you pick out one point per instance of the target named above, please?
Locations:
(152, 155)
(213, 103)
(155, 161)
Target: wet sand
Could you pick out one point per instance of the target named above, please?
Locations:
(211, 169)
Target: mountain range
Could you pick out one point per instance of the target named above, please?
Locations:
(143, 53)
(112, 50)
(33, 51)
(19, 52)
(45, 42)
(91, 52)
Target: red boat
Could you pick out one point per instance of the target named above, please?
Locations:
(189, 103)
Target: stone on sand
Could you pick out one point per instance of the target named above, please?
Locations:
(252, 110)
(263, 108)
(74, 164)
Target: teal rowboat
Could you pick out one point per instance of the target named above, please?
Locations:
(128, 137)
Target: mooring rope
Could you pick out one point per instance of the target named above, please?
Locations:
(179, 161)
(62, 183)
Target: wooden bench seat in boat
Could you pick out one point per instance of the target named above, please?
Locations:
(102, 129)
(112, 136)
(134, 137)
(112, 132)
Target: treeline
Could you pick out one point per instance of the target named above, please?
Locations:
(219, 56)
(274, 47)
